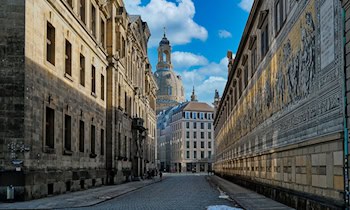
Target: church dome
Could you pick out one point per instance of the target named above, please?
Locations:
(171, 91)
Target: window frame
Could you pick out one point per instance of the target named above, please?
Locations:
(50, 43)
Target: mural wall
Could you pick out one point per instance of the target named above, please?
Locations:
(296, 93)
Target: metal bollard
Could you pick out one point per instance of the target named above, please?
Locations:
(10, 192)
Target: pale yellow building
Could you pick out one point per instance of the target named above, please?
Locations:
(80, 101)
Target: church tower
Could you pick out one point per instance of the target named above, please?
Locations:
(193, 96)
(171, 91)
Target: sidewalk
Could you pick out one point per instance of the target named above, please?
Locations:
(80, 198)
(247, 199)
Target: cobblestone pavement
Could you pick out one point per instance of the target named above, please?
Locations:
(190, 192)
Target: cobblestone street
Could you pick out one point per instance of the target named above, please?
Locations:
(174, 192)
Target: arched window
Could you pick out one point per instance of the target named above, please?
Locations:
(170, 91)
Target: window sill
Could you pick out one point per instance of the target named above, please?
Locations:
(69, 77)
(92, 155)
(67, 152)
(49, 150)
(93, 94)
(50, 65)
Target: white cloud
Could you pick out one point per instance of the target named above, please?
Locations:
(206, 79)
(206, 90)
(176, 17)
(224, 34)
(187, 59)
(246, 5)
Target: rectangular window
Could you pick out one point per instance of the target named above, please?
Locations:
(187, 115)
(245, 75)
(70, 3)
(240, 85)
(92, 139)
(67, 132)
(81, 136)
(50, 128)
(202, 125)
(125, 146)
(194, 125)
(202, 154)
(188, 134)
(209, 125)
(82, 70)
(93, 20)
(187, 154)
(209, 135)
(264, 39)
(93, 79)
(102, 142)
(119, 144)
(253, 60)
(126, 102)
(209, 154)
(209, 144)
(119, 96)
(123, 47)
(202, 135)
(194, 115)
(68, 58)
(82, 11)
(50, 43)
(202, 144)
(280, 14)
(187, 124)
(194, 144)
(187, 144)
(194, 154)
(102, 87)
(103, 40)
(201, 116)
(194, 135)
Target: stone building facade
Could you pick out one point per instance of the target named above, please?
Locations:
(171, 91)
(131, 105)
(60, 78)
(279, 128)
(186, 137)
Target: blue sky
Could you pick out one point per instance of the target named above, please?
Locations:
(200, 32)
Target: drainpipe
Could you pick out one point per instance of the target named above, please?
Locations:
(346, 132)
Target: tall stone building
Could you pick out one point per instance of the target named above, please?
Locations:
(77, 94)
(171, 91)
(281, 126)
(131, 105)
(186, 138)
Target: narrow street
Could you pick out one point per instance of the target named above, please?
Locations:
(174, 192)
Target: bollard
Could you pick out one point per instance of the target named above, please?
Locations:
(10, 193)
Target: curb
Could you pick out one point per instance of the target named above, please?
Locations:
(216, 184)
(110, 198)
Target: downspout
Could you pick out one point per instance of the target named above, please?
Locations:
(346, 132)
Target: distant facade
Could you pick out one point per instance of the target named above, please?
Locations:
(78, 109)
(163, 138)
(131, 104)
(186, 140)
(279, 127)
(170, 88)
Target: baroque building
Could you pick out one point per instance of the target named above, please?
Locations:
(186, 138)
(279, 127)
(78, 109)
(171, 91)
